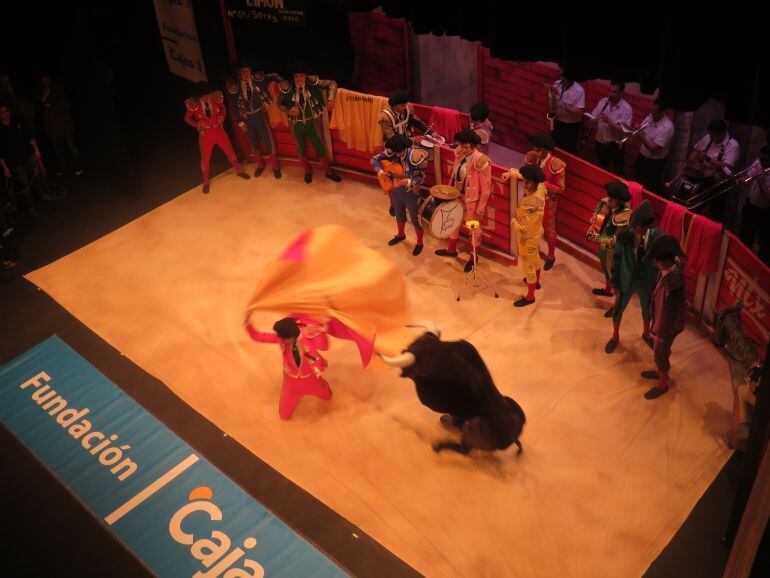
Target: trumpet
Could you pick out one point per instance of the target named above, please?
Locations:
(643, 126)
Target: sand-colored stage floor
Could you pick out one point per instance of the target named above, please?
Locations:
(606, 477)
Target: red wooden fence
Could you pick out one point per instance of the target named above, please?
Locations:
(381, 48)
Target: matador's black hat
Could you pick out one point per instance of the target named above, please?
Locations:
(618, 190)
(398, 143)
(664, 245)
(398, 97)
(286, 328)
(532, 173)
(643, 214)
(203, 88)
(480, 111)
(299, 67)
(542, 140)
(468, 136)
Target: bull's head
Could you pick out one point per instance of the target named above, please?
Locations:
(407, 358)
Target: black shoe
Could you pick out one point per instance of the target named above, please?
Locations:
(469, 265)
(603, 292)
(396, 240)
(610, 312)
(243, 175)
(258, 171)
(392, 211)
(450, 423)
(649, 341)
(206, 189)
(277, 173)
(611, 345)
(308, 177)
(537, 285)
(417, 250)
(523, 302)
(650, 374)
(445, 253)
(549, 264)
(334, 177)
(655, 392)
(79, 172)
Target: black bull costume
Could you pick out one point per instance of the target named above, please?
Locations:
(451, 378)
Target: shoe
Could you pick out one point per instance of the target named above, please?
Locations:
(450, 424)
(417, 250)
(308, 177)
(392, 211)
(59, 173)
(603, 292)
(243, 175)
(523, 302)
(396, 240)
(10, 264)
(334, 177)
(549, 264)
(650, 374)
(445, 253)
(469, 266)
(206, 189)
(258, 171)
(609, 313)
(655, 392)
(79, 172)
(525, 283)
(277, 173)
(649, 341)
(611, 345)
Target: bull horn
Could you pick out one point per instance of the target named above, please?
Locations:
(404, 360)
(428, 326)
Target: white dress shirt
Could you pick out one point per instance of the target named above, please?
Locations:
(756, 196)
(661, 133)
(726, 151)
(573, 96)
(620, 112)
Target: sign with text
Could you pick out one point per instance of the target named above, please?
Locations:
(268, 11)
(180, 38)
(176, 512)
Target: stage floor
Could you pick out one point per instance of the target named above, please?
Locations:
(606, 477)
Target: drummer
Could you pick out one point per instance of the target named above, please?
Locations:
(472, 176)
(410, 163)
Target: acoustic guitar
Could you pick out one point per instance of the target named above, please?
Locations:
(391, 171)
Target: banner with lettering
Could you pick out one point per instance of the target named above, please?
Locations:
(177, 513)
(268, 11)
(180, 38)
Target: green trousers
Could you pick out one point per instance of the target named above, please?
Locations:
(641, 288)
(308, 131)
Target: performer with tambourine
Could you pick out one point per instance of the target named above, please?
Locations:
(401, 170)
(472, 176)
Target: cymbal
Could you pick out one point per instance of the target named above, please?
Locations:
(444, 192)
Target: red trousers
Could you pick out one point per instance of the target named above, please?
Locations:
(210, 137)
(295, 388)
(549, 225)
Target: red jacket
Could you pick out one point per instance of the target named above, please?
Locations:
(206, 111)
(555, 171)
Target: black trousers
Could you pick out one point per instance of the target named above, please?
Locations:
(565, 135)
(756, 220)
(610, 157)
(649, 173)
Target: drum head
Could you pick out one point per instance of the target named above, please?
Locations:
(444, 192)
(441, 218)
(425, 143)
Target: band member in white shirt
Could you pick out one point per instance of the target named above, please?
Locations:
(756, 211)
(570, 100)
(717, 154)
(655, 145)
(610, 113)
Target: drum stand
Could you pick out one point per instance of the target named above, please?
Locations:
(474, 277)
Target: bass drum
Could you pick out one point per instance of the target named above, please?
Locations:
(441, 217)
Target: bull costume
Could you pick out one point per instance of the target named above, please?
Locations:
(252, 98)
(555, 171)
(630, 273)
(451, 378)
(668, 308)
(481, 125)
(300, 340)
(528, 224)
(410, 163)
(206, 113)
(472, 176)
(304, 99)
(611, 214)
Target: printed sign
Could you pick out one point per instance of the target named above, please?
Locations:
(180, 38)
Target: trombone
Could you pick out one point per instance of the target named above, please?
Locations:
(643, 126)
(704, 197)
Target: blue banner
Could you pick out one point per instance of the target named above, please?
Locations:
(177, 513)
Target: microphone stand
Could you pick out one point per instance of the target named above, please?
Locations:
(474, 275)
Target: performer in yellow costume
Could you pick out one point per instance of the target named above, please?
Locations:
(528, 225)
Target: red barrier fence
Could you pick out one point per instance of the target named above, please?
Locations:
(381, 49)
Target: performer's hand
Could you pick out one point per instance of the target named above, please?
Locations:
(242, 125)
(506, 176)
(247, 319)
(330, 105)
(294, 111)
